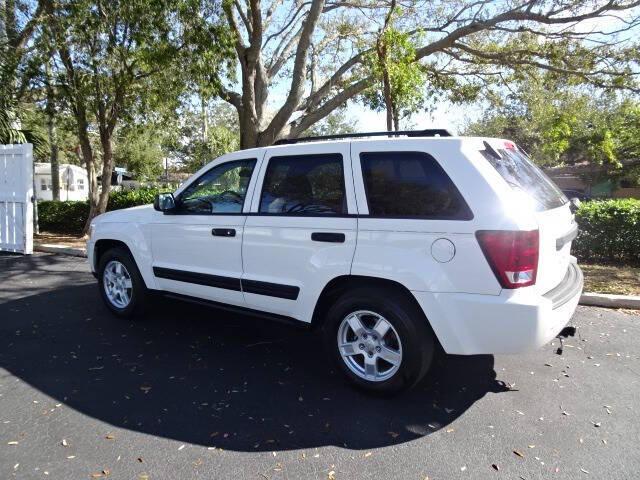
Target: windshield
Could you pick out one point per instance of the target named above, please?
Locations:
(522, 174)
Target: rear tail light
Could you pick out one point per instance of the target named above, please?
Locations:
(512, 255)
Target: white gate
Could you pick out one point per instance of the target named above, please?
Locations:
(16, 198)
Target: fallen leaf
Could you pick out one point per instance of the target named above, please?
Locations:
(64, 443)
(109, 437)
(140, 459)
(180, 447)
(597, 424)
(584, 471)
(495, 466)
(332, 475)
(531, 446)
(449, 430)
(393, 434)
(368, 454)
(13, 442)
(520, 454)
(463, 468)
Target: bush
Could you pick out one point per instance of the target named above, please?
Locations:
(609, 231)
(62, 217)
(70, 217)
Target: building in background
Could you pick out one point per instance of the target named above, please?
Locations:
(588, 180)
(74, 182)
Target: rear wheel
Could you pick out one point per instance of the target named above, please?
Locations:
(121, 285)
(380, 341)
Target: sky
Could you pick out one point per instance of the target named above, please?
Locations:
(448, 116)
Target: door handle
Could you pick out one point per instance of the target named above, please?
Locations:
(328, 237)
(223, 232)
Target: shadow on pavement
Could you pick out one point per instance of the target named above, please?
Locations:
(208, 377)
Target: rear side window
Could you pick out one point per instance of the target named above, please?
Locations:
(410, 185)
(523, 175)
(304, 185)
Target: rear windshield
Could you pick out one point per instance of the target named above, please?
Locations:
(522, 174)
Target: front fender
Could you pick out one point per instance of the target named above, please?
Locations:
(135, 237)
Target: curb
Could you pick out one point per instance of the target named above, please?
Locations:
(75, 252)
(610, 301)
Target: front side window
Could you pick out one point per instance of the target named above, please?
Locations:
(43, 185)
(80, 184)
(304, 185)
(221, 190)
(410, 185)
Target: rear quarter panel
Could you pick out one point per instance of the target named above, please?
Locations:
(400, 249)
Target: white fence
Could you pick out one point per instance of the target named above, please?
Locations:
(16, 198)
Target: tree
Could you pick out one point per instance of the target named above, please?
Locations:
(189, 149)
(110, 55)
(560, 124)
(18, 21)
(314, 51)
(336, 123)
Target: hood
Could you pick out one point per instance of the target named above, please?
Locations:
(141, 213)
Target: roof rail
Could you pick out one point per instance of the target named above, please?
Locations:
(429, 132)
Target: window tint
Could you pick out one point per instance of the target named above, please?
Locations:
(304, 184)
(221, 190)
(522, 174)
(410, 184)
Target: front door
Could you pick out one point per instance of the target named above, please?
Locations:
(197, 250)
(302, 229)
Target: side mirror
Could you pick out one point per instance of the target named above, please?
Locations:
(164, 202)
(574, 204)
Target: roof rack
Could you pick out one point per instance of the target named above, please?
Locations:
(429, 132)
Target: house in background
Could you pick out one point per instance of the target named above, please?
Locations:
(74, 182)
(595, 180)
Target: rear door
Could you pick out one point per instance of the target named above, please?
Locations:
(301, 231)
(556, 223)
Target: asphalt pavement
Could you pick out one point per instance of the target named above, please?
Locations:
(199, 393)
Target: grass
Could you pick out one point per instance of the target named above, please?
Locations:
(611, 279)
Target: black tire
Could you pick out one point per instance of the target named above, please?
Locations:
(139, 303)
(415, 334)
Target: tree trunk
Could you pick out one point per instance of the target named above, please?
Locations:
(107, 170)
(396, 118)
(89, 163)
(53, 140)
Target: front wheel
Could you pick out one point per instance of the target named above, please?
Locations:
(380, 341)
(121, 285)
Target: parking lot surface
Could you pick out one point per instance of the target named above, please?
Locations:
(199, 393)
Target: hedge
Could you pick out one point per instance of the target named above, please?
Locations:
(70, 217)
(609, 232)
(609, 229)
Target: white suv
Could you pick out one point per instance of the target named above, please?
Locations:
(391, 247)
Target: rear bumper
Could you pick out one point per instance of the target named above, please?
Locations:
(513, 322)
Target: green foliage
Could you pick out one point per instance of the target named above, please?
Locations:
(609, 232)
(62, 217)
(406, 75)
(131, 198)
(70, 217)
(140, 152)
(559, 125)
